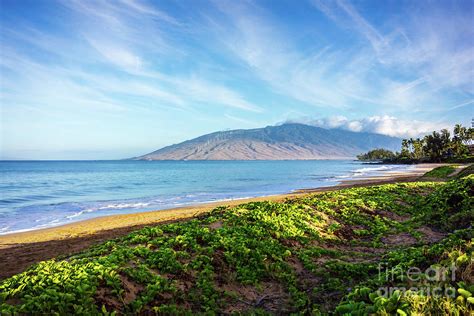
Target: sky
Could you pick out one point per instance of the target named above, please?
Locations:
(116, 79)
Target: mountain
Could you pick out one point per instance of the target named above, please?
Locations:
(284, 142)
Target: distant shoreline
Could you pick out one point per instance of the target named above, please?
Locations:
(19, 250)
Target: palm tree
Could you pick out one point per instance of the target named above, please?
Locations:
(405, 152)
(434, 146)
(460, 140)
(469, 136)
(417, 148)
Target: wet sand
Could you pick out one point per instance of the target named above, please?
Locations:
(20, 250)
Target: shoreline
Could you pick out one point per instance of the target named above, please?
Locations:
(21, 249)
(418, 170)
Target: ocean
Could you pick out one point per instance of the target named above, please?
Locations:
(40, 194)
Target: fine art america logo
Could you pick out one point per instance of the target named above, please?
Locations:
(433, 281)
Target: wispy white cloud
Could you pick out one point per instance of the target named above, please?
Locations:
(409, 68)
(118, 36)
(116, 55)
(320, 79)
(429, 47)
(50, 86)
(377, 40)
(142, 8)
(208, 92)
(255, 40)
(245, 122)
(460, 105)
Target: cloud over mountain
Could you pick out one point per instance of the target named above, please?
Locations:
(386, 125)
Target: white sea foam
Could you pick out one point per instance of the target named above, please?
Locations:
(372, 171)
(4, 229)
(124, 205)
(367, 170)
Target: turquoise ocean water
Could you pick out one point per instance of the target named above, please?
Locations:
(39, 194)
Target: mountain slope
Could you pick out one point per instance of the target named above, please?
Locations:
(288, 141)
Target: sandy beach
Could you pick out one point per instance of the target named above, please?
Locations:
(19, 250)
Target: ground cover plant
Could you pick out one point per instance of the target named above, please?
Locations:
(465, 172)
(328, 253)
(440, 172)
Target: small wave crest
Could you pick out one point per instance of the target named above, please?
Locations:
(367, 170)
(124, 205)
(111, 206)
(371, 171)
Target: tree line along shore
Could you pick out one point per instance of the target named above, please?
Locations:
(435, 147)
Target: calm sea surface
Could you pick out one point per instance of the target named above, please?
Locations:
(38, 194)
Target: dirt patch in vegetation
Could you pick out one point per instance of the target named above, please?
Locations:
(215, 225)
(348, 248)
(104, 297)
(131, 289)
(400, 239)
(270, 296)
(429, 235)
(394, 216)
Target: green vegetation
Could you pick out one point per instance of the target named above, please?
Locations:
(466, 171)
(377, 154)
(317, 254)
(435, 147)
(440, 172)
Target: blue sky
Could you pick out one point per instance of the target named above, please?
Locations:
(114, 79)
